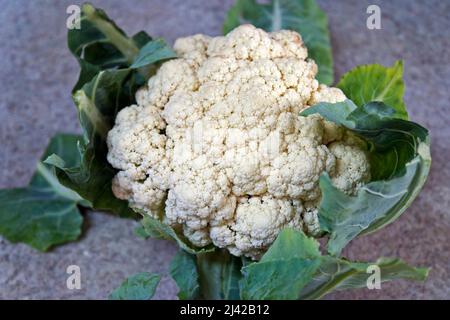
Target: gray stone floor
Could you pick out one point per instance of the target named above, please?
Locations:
(37, 73)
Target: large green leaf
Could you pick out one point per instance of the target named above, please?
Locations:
(141, 286)
(158, 230)
(100, 41)
(219, 275)
(303, 16)
(400, 161)
(339, 274)
(45, 213)
(100, 44)
(98, 102)
(344, 217)
(113, 66)
(183, 270)
(393, 142)
(293, 268)
(284, 270)
(375, 82)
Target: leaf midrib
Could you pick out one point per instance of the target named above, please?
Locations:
(56, 187)
(123, 44)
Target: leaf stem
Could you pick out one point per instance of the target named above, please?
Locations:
(124, 45)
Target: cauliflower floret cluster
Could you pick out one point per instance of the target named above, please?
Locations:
(217, 140)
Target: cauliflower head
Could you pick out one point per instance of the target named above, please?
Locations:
(217, 141)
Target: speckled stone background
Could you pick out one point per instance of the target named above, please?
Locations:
(37, 74)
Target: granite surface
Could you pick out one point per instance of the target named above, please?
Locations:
(37, 73)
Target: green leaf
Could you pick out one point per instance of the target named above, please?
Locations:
(100, 41)
(87, 72)
(98, 102)
(303, 16)
(393, 142)
(152, 52)
(339, 274)
(183, 270)
(344, 217)
(335, 112)
(400, 162)
(140, 232)
(219, 275)
(158, 230)
(231, 275)
(100, 44)
(141, 286)
(284, 270)
(107, 83)
(44, 213)
(293, 268)
(92, 180)
(375, 82)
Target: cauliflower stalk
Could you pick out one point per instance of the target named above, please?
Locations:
(216, 140)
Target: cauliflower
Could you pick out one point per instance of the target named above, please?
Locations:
(217, 140)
